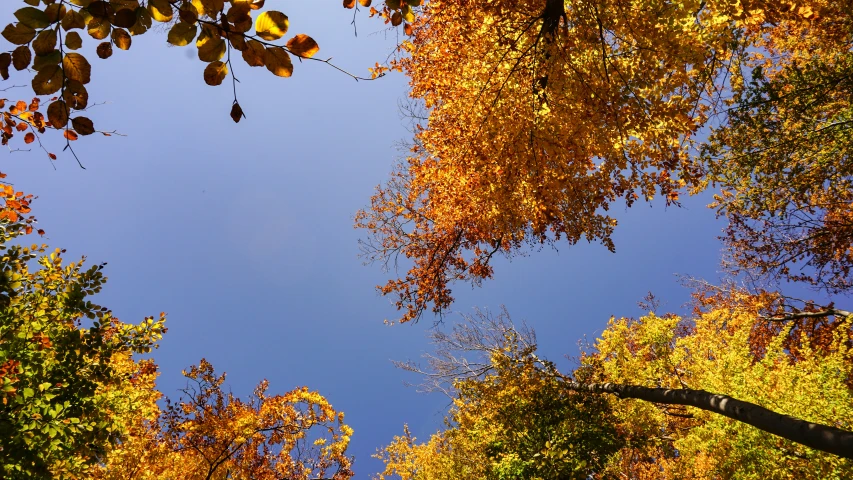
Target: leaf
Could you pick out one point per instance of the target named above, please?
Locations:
(73, 40)
(43, 61)
(407, 29)
(414, 3)
(365, 3)
(254, 53)
(77, 67)
(21, 57)
(83, 125)
(104, 50)
(143, 22)
(215, 73)
(210, 49)
(161, 10)
(32, 17)
(55, 12)
(212, 8)
(396, 18)
(303, 46)
(278, 61)
(181, 34)
(45, 42)
(98, 28)
(29, 138)
(101, 9)
(237, 112)
(72, 20)
(271, 25)
(75, 94)
(19, 34)
(393, 4)
(70, 135)
(48, 81)
(125, 18)
(408, 14)
(121, 38)
(5, 62)
(188, 13)
(349, 3)
(57, 114)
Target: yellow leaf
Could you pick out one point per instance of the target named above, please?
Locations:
(161, 10)
(271, 25)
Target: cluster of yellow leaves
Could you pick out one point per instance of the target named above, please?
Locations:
(716, 352)
(542, 113)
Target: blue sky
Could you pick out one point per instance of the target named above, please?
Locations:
(243, 233)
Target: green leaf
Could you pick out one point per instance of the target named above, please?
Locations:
(28, 392)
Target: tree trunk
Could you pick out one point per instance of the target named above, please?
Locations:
(813, 435)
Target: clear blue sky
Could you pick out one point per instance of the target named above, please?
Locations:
(243, 233)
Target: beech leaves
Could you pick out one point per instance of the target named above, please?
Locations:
(47, 41)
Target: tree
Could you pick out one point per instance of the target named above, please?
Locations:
(510, 418)
(783, 163)
(660, 370)
(542, 114)
(210, 434)
(63, 359)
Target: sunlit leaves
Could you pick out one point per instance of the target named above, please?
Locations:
(215, 73)
(303, 46)
(277, 61)
(271, 25)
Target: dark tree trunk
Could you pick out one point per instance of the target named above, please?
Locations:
(813, 435)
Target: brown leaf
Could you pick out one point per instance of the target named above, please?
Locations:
(278, 61)
(237, 112)
(105, 50)
(70, 135)
(215, 73)
(303, 46)
(99, 28)
(19, 34)
(73, 40)
(365, 3)
(121, 38)
(254, 53)
(101, 9)
(45, 42)
(48, 80)
(83, 125)
(77, 67)
(21, 57)
(29, 138)
(75, 95)
(72, 20)
(125, 18)
(57, 114)
(349, 3)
